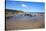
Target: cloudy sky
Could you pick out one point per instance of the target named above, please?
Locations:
(25, 6)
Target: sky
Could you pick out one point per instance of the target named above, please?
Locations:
(25, 6)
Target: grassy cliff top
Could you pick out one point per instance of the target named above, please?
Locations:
(10, 10)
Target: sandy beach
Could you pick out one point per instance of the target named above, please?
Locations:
(35, 22)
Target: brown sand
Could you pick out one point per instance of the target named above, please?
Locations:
(15, 25)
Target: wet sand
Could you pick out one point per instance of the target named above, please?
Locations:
(34, 23)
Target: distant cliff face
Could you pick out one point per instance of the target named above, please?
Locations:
(10, 12)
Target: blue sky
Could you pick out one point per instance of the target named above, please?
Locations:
(25, 6)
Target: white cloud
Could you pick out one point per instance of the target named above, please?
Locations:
(23, 5)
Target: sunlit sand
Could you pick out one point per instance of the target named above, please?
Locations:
(31, 24)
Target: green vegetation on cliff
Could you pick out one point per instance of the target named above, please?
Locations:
(10, 12)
